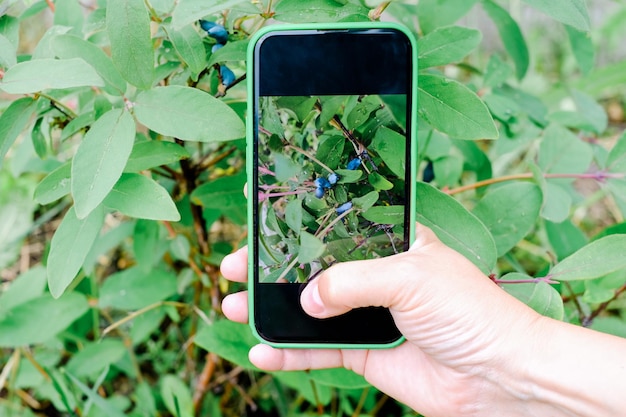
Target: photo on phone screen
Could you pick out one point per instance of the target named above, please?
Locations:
(331, 182)
(331, 171)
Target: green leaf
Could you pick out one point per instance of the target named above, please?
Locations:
(433, 14)
(454, 109)
(557, 203)
(391, 147)
(229, 340)
(223, 193)
(319, 11)
(293, 215)
(330, 151)
(379, 182)
(448, 170)
(285, 168)
(347, 176)
(70, 46)
(540, 296)
(100, 159)
(510, 212)
(446, 45)
(455, 226)
(69, 247)
(565, 238)
(511, 35)
(13, 121)
(147, 243)
(339, 378)
(570, 12)
(7, 53)
(232, 51)
(40, 319)
(188, 11)
(101, 403)
(128, 27)
(25, 287)
(311, 248)
(497, 72)
(188, 113)
(95, 357)
(599, 258)
(385, 214)
(302, 382)
(583, 49)
(176, 396)
(154, 153)
(366, 202)
(589, 109)
(138, 196)
(361, 111)
(190, 47)
(55, 185)
(300, 105)
(616, 162)
(134, 288)
(563, 152)
(49, 74)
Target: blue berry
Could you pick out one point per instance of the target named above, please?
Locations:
(333, 178)
(319, 192)
(228, 77)
(322, 182)
(216, 47)
(344, 207)
(429, 172)
(217, 32)
(354, 164)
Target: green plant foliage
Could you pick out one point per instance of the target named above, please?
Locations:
(122, 169)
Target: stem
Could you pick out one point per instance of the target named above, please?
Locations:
(50, 5)
(598, 176)
(311, 157)
(588, 321)
(58, 105)
(327, 229)
(264, 196)
(547, 280)
(377, 12)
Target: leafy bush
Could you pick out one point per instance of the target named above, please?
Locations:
(122, 135)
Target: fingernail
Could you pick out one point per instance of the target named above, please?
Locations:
(311, 300)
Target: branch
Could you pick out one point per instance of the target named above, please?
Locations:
(588, 321)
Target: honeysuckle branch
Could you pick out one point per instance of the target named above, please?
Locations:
(599, 176)
(588, 320)
(69, 113)
(547, 280)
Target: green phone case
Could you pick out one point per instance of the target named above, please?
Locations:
(250, 166)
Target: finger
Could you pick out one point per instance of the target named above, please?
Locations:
(234, 267)
(350, 285)
(271, 359)
(235, 307)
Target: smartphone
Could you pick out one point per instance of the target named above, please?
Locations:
(331, 171)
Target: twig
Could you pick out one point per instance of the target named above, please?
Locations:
(588, 321)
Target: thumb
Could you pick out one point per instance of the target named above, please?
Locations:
(371, 283)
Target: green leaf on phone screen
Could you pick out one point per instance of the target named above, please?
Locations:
(311, 248)
(367, 201)
(391, 147)
(330, 151)
(379, 182)
(69, 248)
(347, 176)
(100, 159)
(385, 214)
(293, 215)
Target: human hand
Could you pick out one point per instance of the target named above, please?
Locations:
(463, 333)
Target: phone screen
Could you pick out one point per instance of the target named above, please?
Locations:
(332, 171)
